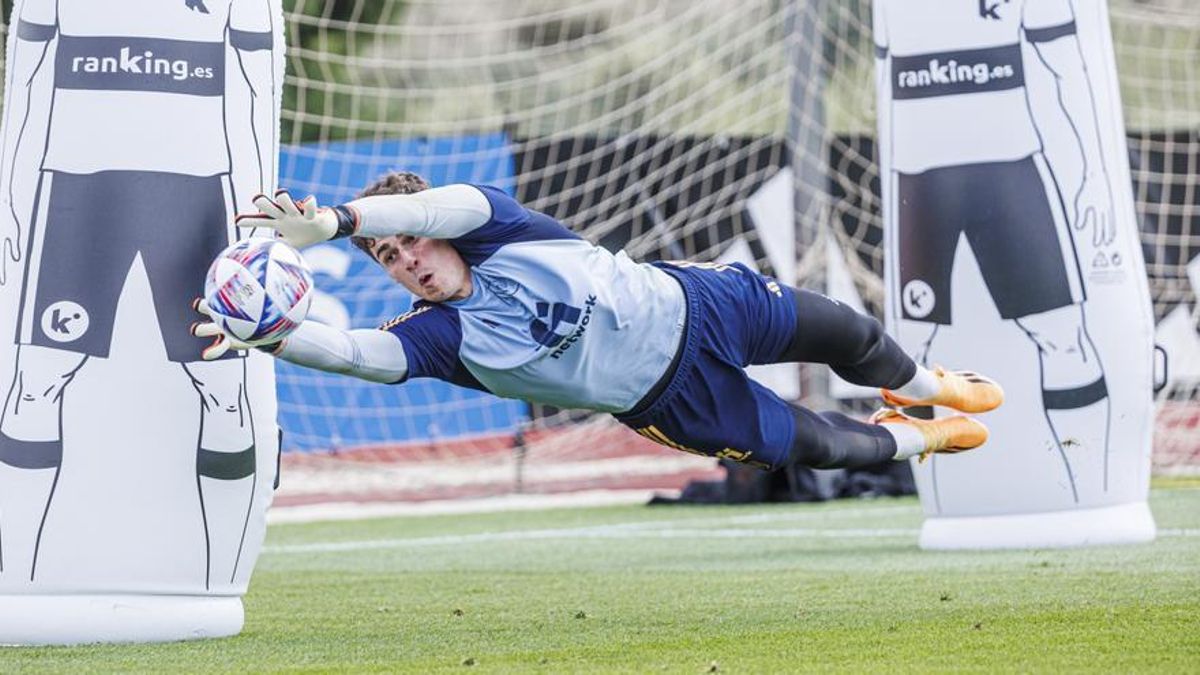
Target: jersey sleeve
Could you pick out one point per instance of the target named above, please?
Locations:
(38, 21)
(251, 25)
(431, 335)
(476, 219)
(509, 223)
(1047, 20)
(369, 354)
(445, 212)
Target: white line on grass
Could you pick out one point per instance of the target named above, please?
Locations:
(621, 531)
(331, 511)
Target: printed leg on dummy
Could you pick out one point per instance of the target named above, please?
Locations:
(1074, 395)
(31, 452)
(225, 463)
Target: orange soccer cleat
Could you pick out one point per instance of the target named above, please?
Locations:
(947, 434)
(961, 390)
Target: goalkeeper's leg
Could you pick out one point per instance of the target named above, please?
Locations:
(858, 349)
(831, 440)
(708, 405)
(225, 464)
(714, 408)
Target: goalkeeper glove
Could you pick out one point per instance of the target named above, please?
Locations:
(222, 341)
(300, 223)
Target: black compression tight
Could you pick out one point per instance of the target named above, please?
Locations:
(830, 440)
(856, 347)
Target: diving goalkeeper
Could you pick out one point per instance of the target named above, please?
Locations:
(514, 303)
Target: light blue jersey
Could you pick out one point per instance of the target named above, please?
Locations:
(551, 318)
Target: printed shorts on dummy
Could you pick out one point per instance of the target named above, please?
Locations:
(1012, 217)
(736, 317)
(85, 239)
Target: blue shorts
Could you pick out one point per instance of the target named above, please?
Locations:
(736, 317)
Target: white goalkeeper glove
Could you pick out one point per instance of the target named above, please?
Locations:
(222, 341)
(300, 223)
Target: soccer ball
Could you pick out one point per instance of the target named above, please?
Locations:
(259, 290)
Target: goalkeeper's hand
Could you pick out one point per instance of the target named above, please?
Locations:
(222, 341)
(300, 223)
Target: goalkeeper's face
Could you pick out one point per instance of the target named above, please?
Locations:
(430, 269)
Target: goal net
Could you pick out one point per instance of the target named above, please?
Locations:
(699, 129)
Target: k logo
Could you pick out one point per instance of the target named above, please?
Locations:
(549, 317)
(987, 8)
(918, 299)
(64, 321)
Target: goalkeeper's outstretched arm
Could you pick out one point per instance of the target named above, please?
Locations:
(365, 353)
(440, 213)
(370, 354)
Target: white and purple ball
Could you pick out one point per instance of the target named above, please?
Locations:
(259, 290)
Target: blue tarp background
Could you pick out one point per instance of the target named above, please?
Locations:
(319, 411)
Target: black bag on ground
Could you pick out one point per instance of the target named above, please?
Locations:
(745, 485)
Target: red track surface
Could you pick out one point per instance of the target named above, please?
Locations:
(592, 442)
(674, 481)
(1177, 437)
(593, 457)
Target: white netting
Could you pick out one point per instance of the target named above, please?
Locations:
(1158, 52)
(650, 124)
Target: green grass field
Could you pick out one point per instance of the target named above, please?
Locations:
(838, 586)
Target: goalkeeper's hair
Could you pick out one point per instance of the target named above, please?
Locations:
(394, 183)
